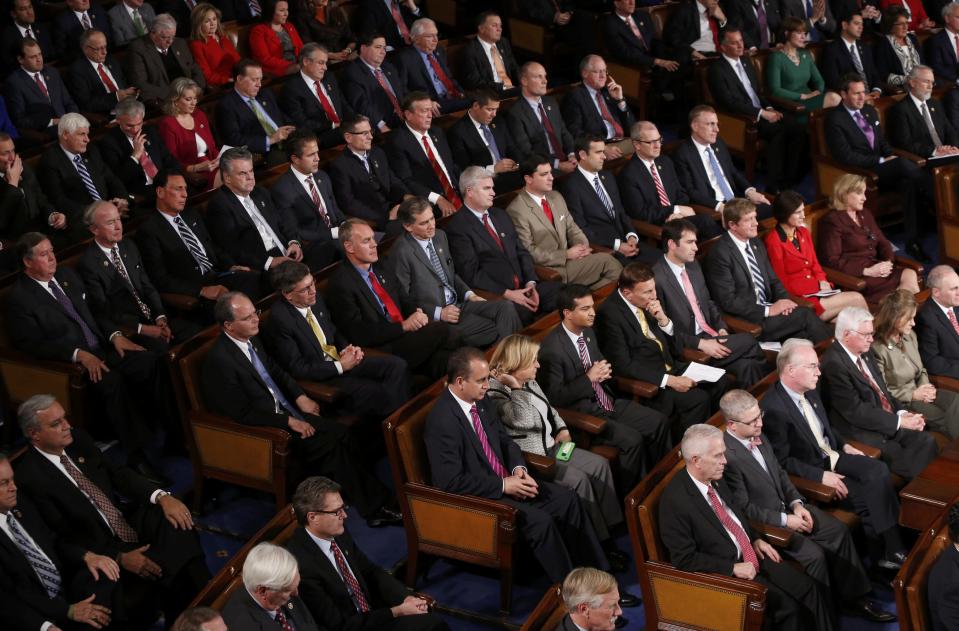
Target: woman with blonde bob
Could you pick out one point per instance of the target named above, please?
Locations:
(897, 353)
(537, 427)
(851, 242)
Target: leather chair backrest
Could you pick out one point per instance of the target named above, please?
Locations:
(659, 15)
(916, 589)
(644, 504)
(414, 463)
(549, 613)
(191, 363)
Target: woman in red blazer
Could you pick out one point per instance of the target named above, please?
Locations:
(793, 257)
(211, 47)
(186, 132)
(276, 44)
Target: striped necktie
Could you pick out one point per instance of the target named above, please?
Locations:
(45, 569)
(757, 275)
(491, 457)
(602, 397)
(603, 197)
(193, 245)
(85, 176)
(120, 526)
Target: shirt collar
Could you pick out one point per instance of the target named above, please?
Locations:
(854, 358)
(700, 146)
(677, 269)
(586, 174)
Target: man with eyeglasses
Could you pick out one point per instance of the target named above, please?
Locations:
(95, 79)
(862, 406)
(427, 69)
(341, 586)
(762, 489)
(918, 122)
(598, 107)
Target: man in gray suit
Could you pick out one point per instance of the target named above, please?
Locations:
(422, 257)
(157, 58)
(130, 19)
(762, 489)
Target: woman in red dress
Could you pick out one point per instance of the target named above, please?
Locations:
(186, 132)
(211, 47)
(275, 42)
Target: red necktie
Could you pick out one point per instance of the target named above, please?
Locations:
(451, 90)
(952, 319)
(326, 105)
(389, 91)
(41, 85)
(148, 165)
(315, 194)
(282, 621)
(359, 598)
(491, 457)
(955, 38)
(660, 190)
(875, 386)
(448, 191)
(550, 134)
(607, 116)
(400, 22)
(749, 555)
(547, 211)
(499, 242)
(391, 309)
(110, 86)
(714, 27)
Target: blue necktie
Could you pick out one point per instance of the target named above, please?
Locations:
(85, 176)
(493, 149)
(718, 174)
(88, 335)
(757, 275)
(46, 571)
(438, 268)
(268, 380)
(604, 198)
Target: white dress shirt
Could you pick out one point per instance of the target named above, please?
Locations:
(439, 159)
(741, 246)
(855, 361)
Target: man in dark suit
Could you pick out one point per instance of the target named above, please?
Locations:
(368, 307)
(24, 206)
(73, 175)
(489, 254)
(180, 10)
(80, 16)
(762, 490)
(807, 446)
(861, 405)
(268, 598)
(304, 193)
(250, 117)
(704, 531)
(375, 88)
(487, 60)
(95, 79)
(363, 180)
(817, 14)
(684, 35)
(159, 57)
(243, 11)
(597, 106)
(427, 69)
(476, 140)
(338, 581)
(312, 100)
(943, 579)
(746, 286)
(78, 491)
(850, 144)
(572, 375)
(242, 382)
(24, 25)
(629, 36)
(846, 54)
(565, 20)
(697, 322)
(43, 574)
(422, 263)
(536, 123)
(735, 88)
(422, 158)
(759, 21)
(940, 48)
(470, 454)
(35, 94)
(135, 152)
(180, 255)
(394, 22)
(936, 324)
(918, 122)
(302, 337)
(706, 167)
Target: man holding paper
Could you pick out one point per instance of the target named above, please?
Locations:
(636, 336)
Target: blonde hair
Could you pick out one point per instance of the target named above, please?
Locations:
(196, 21)
(178, 88)
(514, 353)
(587, 585)
(847, 183)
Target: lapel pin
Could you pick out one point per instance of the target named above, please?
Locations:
(81, 460)
(106, 263)
(440, 250)
(321, 315)
(289, 605)
(65, 284)
(502, 234)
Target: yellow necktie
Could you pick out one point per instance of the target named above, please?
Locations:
(644, 325)
(329, 349)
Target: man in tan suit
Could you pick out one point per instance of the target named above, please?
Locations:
(546, 227)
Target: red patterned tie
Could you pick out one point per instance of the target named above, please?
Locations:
(694, 304)
(875, 386)
(499, 242)
(93, 492)
(400, 22)
(318, 201)
(326, 105)
(548, 211)
(282, 621)
(41, 85)
(107, 83)
(660, 189)
(550, 134)
(602, 397)
(149, 167)
(952, 319)
(451, 90)
(607, 116)
(491, 457)
(749, 555)
(391, 309)
(389, 91)
(448, 191)
(359, 598)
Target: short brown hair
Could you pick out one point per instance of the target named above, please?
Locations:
(634, 273)
(737, 208)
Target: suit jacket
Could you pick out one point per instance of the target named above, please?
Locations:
(951, 104)
(238, 126)
(232, 387)
(457, 462)
(677, 306)
(728, 91)
(797, 9)
(419, 78)
(68, 29)
(589, 212)
(743, 12)
(87, 88)
(10, 37)
(116, 149)
(731, 282)
(623, 46)
(631, 353)
(835, 61)
(693, 175)
(941, 590)
(482, 263)
(940, 55)
(682, 29)
(215, 57)
(145, 69)
(938, 341)
(763, 494)
(848, 144)
(323, 590)
(238, 10)
(244, 613)
(469, 147)
(907, 129)
(475, 70)
(853, 405)
(302, 108)
(67, 509)
(530, 135)
(792, 440)
(293, 201)
(234, 231)
(542, 11)
(110, 297)
(562, 376)
(294, 345)
(638, 190)
(369, 194)
(799, 270)
(123, 28)
(366, 96)
(420, 285)
(374, 17)
(65, 188)
(547, 242)
(23, 208)
(411, 164)
(168, 260)
(887, 62)
(28, 107)
(356, 311)
(582, 116)
(902, 368)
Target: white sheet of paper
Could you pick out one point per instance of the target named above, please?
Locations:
(702, 372)
(823, 293)
(771, 346)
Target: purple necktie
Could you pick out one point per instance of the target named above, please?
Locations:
(763, 25)
(88, 335)
(491, 457)
(866, 129)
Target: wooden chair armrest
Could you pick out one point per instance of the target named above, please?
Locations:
(739, 325)
(637, 388)
(871, 177)
(601, 248)
(545, 273)
(467, 502)
(944, 382)
(96, 120)
(869, 450)
(706, 210)
(775, 535)
(902, 153)
(375, 352)
(693, 355)
(430, 601)
(909, 263)
(67, 368)
(785, 105)
(648, 230)
(582, 421)
(320, 391)
(543, 465)
(843, 280)
(816, 491)
(488, 295)
(280, 437)
(708, 580)
(181, 302)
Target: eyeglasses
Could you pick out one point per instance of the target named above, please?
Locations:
(868, 335)
(307, 289)
(368, 132)
(339, 512)
(654, 141)
(754, 421)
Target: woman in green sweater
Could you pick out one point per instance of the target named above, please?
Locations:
(791, 73)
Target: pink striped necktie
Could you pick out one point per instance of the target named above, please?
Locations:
(749, 555)
(694, 304)
(491, 457)
(602, 397)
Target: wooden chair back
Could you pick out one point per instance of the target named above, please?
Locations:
(549, 612)
(910, 584)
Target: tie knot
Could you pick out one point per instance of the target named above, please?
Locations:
(178, 220)
(77, 158)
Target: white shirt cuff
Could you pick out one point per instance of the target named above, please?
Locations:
(339, 367)
(153, 496)
(616, 244)
(269, 260)
(662, 384)
(436, 313)
(433, 197)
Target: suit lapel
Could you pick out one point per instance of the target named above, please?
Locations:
(471, 436)
(244, 361)
(702, 505)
